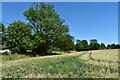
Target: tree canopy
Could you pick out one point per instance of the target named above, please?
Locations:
(102, 46)
(47, 27)
(94, 45)
(18, 35)
(2, 33)
(79, 46)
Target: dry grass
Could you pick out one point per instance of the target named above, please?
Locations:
(105, 56)
(13, 57)
(102, 64)
(102, 57)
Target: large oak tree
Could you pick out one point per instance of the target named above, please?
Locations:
(47, 27)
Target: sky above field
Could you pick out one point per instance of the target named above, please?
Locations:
(87, 20)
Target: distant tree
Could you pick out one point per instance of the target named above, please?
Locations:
(94, 45)
(79, 46)
(102, 46)
(47, 28)
(108, 46)
(85, 45)
(113, 46)
(18, 37)
(117, 46)
(93, 41)
(65, 43)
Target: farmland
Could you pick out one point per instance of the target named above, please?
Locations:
(84, 64)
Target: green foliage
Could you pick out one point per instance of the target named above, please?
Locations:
(2, 34)
(108, 46)
(18, 35)
(93, 41)
(65, 42)
(85, 45)
(113, 46)
(79, 46)
(48, 29)
(45, 32)
(2, 27)
(117, 46)
(94, 45)
(102, 46)
(82, 45)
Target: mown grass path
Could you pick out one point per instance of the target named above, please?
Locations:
(10, 63)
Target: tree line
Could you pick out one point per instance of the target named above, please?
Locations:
(44, 33)
(82, 45)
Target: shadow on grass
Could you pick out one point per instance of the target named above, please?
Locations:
(48, 54)
(52, 54)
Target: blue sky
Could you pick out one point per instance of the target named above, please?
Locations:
(87, 20)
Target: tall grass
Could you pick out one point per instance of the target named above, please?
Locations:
(58, 67)
(13, 57)
(98, 64)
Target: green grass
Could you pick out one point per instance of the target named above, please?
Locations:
(73, 66)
